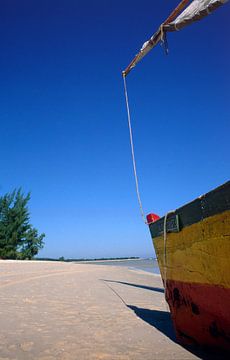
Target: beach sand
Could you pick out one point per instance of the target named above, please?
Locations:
(57, 310)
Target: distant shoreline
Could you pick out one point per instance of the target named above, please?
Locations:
(92, 260)
(112, 260)
(77, 261)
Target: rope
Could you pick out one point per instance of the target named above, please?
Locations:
(165, 250)
(132, 151)
(164, 41)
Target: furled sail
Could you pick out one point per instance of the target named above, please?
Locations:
(193, 12)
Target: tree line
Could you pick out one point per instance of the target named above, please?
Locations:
(18, 238)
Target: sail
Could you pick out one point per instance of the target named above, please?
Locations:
(193, 12)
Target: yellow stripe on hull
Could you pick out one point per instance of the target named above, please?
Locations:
(199, 253)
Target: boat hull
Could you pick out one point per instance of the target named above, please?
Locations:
(200, 313)
(193, 250)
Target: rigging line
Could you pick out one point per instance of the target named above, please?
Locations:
(165, 250)
(132, 150)
(165, 257)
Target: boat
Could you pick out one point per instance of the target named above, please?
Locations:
(192, 243)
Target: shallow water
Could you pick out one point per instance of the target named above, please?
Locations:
(149, 265)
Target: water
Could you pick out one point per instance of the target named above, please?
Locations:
(149, 265)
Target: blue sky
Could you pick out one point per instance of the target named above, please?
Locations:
(64, 133)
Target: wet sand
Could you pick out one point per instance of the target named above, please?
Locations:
(56, 310)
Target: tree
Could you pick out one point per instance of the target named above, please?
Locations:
(18, 239)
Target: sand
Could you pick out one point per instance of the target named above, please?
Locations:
(57, 310)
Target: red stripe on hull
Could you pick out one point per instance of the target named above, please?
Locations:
(201, 313)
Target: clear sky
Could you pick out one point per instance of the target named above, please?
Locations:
(64, 132)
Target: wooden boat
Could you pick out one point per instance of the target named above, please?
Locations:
(192, 243)
(193, 250)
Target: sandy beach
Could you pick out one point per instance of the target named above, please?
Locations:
(57, 310)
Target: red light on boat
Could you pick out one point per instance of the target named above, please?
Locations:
(152, 218)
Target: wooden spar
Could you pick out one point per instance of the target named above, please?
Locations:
(155, 38)
(176, 11)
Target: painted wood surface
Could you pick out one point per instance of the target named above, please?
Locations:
(199, 253)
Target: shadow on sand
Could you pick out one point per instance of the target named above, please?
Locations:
(161, 290)
(161, 320)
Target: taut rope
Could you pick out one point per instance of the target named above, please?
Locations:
(132, 151)
(165, 250)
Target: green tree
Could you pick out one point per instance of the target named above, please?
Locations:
(18, 239)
